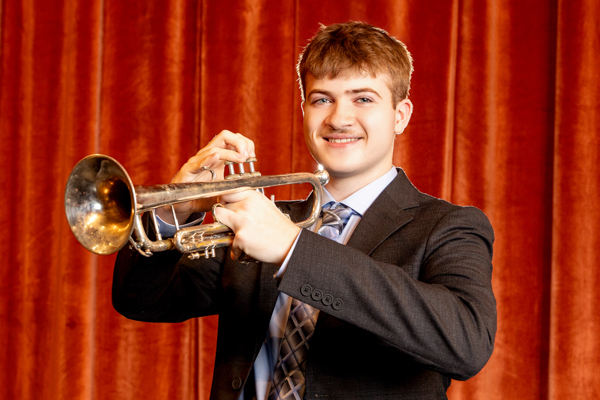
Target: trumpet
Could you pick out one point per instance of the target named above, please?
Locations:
(104, 208)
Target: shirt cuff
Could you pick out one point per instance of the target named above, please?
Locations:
(168, 230)
(281, 271)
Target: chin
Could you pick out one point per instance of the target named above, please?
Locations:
(340, 173)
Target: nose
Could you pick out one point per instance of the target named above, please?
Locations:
(341, 116)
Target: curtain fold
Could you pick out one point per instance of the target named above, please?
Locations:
(506, 98)
(503, 162)
(574, 317)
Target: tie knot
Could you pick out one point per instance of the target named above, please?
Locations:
(334, 216)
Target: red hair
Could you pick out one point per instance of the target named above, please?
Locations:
(357, 47)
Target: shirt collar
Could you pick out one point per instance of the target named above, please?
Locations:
(361, 200)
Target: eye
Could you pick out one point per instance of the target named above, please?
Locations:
(321, 100)
(364, 100)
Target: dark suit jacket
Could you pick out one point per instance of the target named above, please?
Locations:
(405, 306)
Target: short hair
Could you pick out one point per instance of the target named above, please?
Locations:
(356, 47)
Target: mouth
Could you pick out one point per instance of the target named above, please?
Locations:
(345, 140)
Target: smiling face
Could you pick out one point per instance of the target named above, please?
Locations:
(349, 125)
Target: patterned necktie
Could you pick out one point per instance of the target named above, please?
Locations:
(288, 379)
(335, 216)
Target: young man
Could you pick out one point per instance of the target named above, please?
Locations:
(396, 305)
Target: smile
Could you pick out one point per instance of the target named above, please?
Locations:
(342, 140)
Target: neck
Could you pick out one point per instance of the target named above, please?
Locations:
(341, 187)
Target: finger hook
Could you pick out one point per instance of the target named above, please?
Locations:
(212, 172)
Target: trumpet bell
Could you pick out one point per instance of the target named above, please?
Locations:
(100, 204)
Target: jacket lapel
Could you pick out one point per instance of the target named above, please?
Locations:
(388, 213)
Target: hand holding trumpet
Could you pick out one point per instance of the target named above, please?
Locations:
(261, 230)
(208, 165)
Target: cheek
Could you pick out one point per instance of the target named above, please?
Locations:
(381, 123)
(307, 132)
(309, 140)
(307, 129)
(311, 126)
(311, 120)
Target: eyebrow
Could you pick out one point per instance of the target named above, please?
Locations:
(362, 90)
(352, 91)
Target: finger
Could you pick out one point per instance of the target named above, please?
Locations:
(235, 197)
(225, 216)
(235, 253)
(214, 157)
(228, 139)
(197, 165)
(242, 144)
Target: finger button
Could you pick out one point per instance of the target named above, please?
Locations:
(306, 290)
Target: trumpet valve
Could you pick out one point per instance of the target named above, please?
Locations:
(242, 172)
(231, 168)
(251, 162)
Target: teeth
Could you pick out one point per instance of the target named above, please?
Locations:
(342, 140)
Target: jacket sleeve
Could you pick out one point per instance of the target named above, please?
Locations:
(427, 293)
(166, 287)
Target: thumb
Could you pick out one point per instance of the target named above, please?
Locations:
(235, 253)
(224, 216)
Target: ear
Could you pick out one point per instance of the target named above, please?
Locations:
(403, 113)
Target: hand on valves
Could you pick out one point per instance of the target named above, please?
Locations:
(261, 230)
(226, 146)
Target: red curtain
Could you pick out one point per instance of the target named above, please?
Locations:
(506, 97)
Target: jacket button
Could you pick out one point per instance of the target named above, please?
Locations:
(327, 299)
(337, 304)
(317, 295)
(236, 384)
(306, 290)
